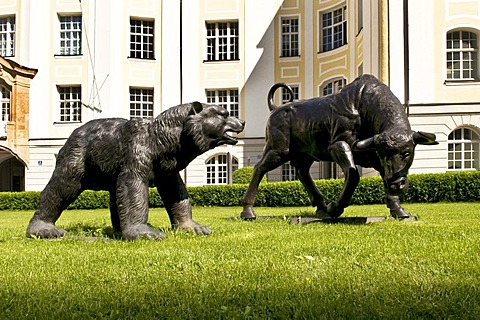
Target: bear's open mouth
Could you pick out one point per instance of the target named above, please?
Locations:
(228, 137)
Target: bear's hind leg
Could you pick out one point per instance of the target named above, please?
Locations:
(114, 217)
(56, 197)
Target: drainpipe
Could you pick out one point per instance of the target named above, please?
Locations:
(384, 43)
(406, 57)
(181, 73)
(181, 52)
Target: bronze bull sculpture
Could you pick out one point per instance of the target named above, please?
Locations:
(364, 124)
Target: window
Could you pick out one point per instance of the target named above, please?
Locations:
(70, 104)
(333, 87)
(462, 55)
(7, 36)
(5, 100)
(463, 149)
(219, 170)
(288, 172)
(286, 94)
(141, 39)
(222, 41)
(141, 103)
(290, 37)
(70, 35)
(227, 98)
(334, 29)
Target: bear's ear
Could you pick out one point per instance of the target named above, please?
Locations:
(196, 108)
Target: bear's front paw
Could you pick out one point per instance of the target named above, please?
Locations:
(142, 232)
(44, 230)
(193, 226)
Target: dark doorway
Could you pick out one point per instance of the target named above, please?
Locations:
(12, 175)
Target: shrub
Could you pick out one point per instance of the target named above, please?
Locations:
(244, 175)
(447, 187)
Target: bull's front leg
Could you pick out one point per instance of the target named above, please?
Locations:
(303, 173)
(396, 210)
(342, 155)
(174, 194)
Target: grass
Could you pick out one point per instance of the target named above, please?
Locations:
(427, 269)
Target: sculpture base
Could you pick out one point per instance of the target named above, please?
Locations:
(345, 220)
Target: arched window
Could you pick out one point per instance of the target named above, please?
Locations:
(330, 170)
(463, 149)
(333, 87)
(462, 55)
(219, 168)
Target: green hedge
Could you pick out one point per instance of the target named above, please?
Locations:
(444, 187)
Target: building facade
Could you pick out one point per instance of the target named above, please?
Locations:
(75, 61)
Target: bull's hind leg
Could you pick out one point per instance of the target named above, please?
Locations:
(303, 171)
(342, 155)
(271, 159)
(59, 193)
(174, 194)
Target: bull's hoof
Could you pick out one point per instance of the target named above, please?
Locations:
(248, 214)
(399, 213)
(142, 232)
(334, 211)
(44, 230)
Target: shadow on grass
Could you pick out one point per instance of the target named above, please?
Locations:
(89, 231)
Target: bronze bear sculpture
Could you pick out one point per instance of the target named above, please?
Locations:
(124, 157)
(364, 124)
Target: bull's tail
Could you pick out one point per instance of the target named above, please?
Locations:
(271, 92)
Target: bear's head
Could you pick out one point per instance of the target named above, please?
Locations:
(209, 126)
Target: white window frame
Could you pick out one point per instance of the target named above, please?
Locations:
(333, 23)
(332, 86)
(219, 169)
(70, 103)
(463, 149)
(227, 98)
(142, 38)
(7, 36)
(5, 101)
(222, 38)
(70, 35)
(141, 102)
(286, 95)
(289, 172)
(290, 36)
(461, 52)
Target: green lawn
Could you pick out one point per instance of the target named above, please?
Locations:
(427, 269)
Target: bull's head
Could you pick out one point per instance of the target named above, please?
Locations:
(395, 152)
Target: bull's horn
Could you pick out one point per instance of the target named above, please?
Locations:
(420, 137)
(364, 144)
